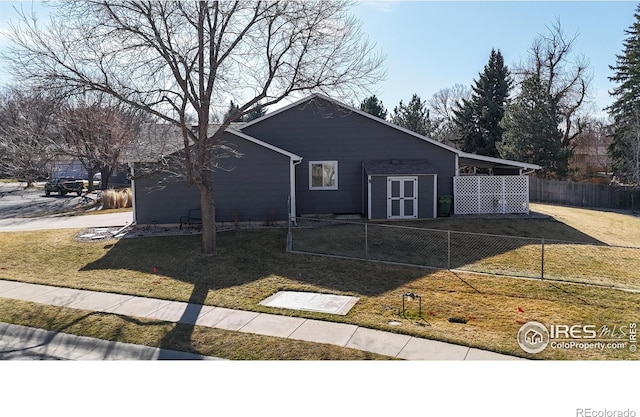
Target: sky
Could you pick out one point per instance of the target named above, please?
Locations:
(432, 45)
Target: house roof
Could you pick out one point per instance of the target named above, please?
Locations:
(466, 158)
(264, 144)
(490, 162)
(158, 140)
(154, 141)
(399, 167)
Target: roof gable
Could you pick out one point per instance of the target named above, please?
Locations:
(481, 160)
(352, 110)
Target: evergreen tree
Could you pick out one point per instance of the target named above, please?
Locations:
(257, 112)
(478, 118)
(374, 106)
(531, 131)
(624, 150)
(232, 112)
(413, 116)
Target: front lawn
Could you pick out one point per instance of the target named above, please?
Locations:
(252, 264)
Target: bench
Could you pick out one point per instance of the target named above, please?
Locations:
(193, 219)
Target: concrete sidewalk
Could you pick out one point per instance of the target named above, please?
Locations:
(340, 334)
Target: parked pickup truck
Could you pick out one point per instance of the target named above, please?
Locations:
(63, 185)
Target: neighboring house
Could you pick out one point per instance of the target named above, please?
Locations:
(590, 159)
(320, 157)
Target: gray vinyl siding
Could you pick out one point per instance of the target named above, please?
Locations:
(251, 188)
(379, 197)
(321, 131)
(425, 197)
(164, 205)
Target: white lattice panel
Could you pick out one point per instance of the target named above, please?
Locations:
(491, 194)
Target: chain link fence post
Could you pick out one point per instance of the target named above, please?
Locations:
(366, 241)
(542, 261)
(449, 250)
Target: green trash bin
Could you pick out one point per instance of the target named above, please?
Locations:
(444, 206)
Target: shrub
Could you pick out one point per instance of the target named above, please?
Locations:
(113, 199)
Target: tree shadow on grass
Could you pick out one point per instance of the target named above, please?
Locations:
(247, 256)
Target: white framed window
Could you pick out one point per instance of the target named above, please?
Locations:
(323, 175)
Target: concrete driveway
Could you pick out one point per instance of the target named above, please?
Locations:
(65, 222)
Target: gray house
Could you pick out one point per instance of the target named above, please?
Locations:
(318, 156)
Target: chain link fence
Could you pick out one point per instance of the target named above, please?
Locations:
(613, 266)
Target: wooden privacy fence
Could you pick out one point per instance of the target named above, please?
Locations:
(584, 194)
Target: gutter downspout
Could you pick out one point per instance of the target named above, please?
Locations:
(292, 191)
(133, 193)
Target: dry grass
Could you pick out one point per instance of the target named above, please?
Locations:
(176, 336)
(252, 265)
(610, 227)
(521, 252)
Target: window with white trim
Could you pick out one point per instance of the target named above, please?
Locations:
(323, 175)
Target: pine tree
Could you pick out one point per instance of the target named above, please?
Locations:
(256, 112)
(413, 116)
(374, 106)
(624, 150)
(478, 119)
(232, 112)
(531, 131)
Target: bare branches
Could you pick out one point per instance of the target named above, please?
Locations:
(97, 133)
(180, 61)
(565, 77)
(26, 134)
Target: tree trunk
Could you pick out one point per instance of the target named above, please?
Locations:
(208, 215)
(105, 175)
(90, 175)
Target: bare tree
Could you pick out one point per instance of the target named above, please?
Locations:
(590, 155)
(26, 134)
(177, 61)
(565, 77)
(96, 134)
(442, 104)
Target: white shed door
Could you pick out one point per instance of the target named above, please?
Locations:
(402, 197)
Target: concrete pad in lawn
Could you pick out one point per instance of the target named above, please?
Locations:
(61, 297)
(272, 325)
(223, 318)
(100, 301)
(9, 285)
(424, 349)
(324, 332)
(27, 292)
(177, 311)
(376, 341)
(486, 355)
(138, 306)
(310, 301)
